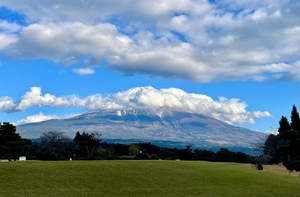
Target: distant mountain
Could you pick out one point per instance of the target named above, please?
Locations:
(169, 127)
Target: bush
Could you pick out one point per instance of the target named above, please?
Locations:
(153, 157)
(142, 156)
(259, 167)
(92, 158)
(112, 157)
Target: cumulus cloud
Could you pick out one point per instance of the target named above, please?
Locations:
(193, 40)
(34, 98)
(42, 117)
(6, 104)
(37, 118)
(141, 98)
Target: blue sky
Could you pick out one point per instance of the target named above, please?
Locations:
(234, 61)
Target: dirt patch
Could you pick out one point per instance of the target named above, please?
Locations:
(278, 169)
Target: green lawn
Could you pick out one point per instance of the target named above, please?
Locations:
(141, 178)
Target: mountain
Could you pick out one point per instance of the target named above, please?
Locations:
(168, 127)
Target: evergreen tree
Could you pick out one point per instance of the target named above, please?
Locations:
(284, 125)
(291, 149)
(11, 143)
(295, 120)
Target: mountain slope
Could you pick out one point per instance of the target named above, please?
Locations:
(193, 129)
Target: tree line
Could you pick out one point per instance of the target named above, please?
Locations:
(54, 145)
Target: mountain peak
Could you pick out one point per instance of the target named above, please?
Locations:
(142, 125)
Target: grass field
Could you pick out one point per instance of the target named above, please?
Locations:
(142, 178)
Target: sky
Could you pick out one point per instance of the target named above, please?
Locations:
(237, 61)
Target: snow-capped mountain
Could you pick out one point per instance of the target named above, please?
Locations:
(191, 129)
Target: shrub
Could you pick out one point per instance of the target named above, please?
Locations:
(259, 167)
(142, 156)
(153, 157)
(92, 158)
(112, 157)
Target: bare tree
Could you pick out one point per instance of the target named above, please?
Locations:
(52, 144)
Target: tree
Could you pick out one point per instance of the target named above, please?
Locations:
(134, 149)
(295, 119)
(87, 143)
(206, 155)
(224, 155)
(284, 125)
(291, 149)
(185, 154)
(11, 143)
(121, 149)
(53, 146)
(271, 148)
(149, 148)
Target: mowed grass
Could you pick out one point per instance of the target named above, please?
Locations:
(141, 178)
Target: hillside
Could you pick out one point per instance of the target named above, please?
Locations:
(190, 129)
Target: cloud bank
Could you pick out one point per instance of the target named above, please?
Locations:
(37, 118)
(192, 40)
(141, 98)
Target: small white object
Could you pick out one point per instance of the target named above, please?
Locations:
(22, 158)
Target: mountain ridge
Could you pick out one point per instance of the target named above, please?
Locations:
(197, 130)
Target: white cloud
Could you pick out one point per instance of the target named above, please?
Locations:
(296, 71)
(273, 131)
(83, 71)
(34, 98)
(69, 42)
(9, 27)
(6, 104)
(42, 117)
(6, 40)
(192, 40)
(37, 118)
(141, 98)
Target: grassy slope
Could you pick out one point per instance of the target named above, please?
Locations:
(141, 178)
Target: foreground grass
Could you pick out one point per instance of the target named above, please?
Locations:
(141, 178)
